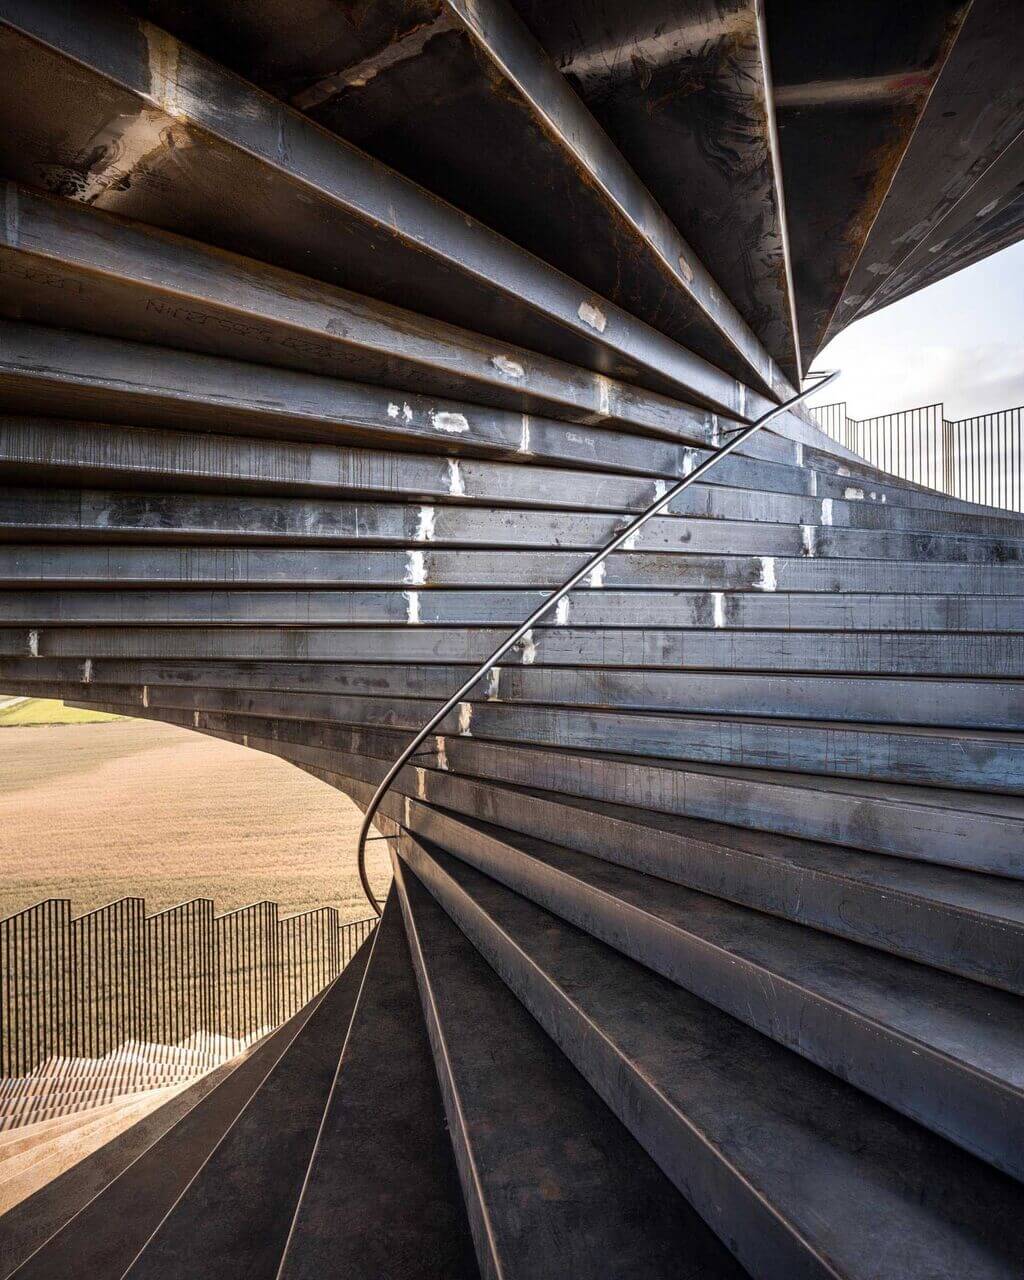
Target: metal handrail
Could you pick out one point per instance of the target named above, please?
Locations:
(744, 433)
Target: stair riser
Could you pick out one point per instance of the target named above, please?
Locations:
(961, 942)
(744, 610)
(97, 516)
(973, 1111)
(940, 760)
(970, 704)
(38, 449)
(729, 1206)
(873, 653)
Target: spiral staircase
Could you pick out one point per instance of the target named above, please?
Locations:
(333, 337)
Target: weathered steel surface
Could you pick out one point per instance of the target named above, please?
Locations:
(139, 124)
(951, 175)
(851, 81)
(290, 440)
(685, 91)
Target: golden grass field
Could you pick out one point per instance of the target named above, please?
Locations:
(95, 811)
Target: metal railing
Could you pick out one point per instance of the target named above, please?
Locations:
(979, 459)
(83, 987)
(633, 525)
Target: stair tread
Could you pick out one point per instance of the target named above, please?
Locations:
(234, 1216)
(953, 1050)
(100, 1235)
(381, 1196)
(795, 1168)
(966, 923)
(560, 1187)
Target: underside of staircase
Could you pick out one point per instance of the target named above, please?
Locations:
(334, 336)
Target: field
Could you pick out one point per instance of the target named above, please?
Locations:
(18, 712)
(95, 811)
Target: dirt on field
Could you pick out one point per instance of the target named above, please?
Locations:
(94, 812)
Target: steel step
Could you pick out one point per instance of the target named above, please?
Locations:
(234, 1217)
(801, 1174)
(980, 703)
(88, 516)
(381, 1195)
(917, 654)
(944, 1051)
(554, 1184)
(972, 831)
(122, 1192)
(963, 922)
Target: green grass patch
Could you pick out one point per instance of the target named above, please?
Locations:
(38, 711)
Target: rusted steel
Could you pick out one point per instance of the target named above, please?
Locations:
(841, 147)
(974, 113)
(685, 91)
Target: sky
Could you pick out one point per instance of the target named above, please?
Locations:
(960, 341)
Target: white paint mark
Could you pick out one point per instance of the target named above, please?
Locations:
(562, 612)
(245, 739)
(510, 368)
(689, 462)
(145, 695)
(716, 431)
(604, 402)
(809, 539)
(853, 495)
(87, 671)
(814, 483)
(456, 488)
(766, 582)
(529, 650)
(799, 454)
(394, 410)
(986, 209)
(718, 602)
(842, 471)
(595, 578)
(358, 76)
(195, 718)
(826, 511)
(415, 568)
(466, 719)
(592, 314)
(524, 435)
(33, 644)
(632, 540)
(874, 496)
(407, 412)
(442, 753)
(406, 813)
(421, 783)
(660, 489)
(453, 423)
(743, 400)
(412, 607)
(493, 684)
(425, 527)
(686, 269)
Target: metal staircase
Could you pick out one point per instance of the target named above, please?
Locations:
(333, 341)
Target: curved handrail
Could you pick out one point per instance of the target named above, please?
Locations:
(744, 433)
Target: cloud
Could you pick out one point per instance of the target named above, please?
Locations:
(946, 344)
